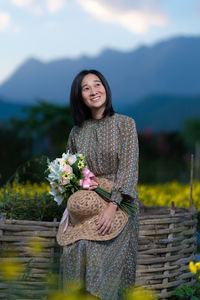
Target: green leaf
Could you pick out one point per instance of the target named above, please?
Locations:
(179, 292)
(188, 290)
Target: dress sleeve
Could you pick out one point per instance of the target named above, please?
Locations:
(127, 173)
(71, 145)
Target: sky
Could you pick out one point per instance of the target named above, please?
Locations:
(54, 29)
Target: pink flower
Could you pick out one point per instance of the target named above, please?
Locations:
(68, 169)
(64, 181)
(72, 159)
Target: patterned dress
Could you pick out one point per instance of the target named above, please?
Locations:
(110, 146)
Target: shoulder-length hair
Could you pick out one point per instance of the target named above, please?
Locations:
(80, 112)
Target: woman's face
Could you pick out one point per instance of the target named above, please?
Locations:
(93, 92)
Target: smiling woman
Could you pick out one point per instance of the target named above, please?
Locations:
(94, 95)
(90, 97)
(100, 242)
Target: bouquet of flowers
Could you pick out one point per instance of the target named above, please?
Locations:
(69, 174)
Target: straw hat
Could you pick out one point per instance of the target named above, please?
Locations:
(84, 207)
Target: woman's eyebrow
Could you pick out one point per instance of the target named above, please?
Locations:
(96, 80)
(84, 85)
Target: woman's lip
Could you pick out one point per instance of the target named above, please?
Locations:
(95, 98)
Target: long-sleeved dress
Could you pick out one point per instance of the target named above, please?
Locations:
(110, 146)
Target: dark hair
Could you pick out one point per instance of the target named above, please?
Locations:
(80, 112)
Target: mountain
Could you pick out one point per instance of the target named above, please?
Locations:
(156, 113)
(168, 67)
(164, 112)
(9, 110)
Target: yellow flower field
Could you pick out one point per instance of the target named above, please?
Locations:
(151, 195)
(164, 194)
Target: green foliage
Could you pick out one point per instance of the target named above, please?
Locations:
(32, 170)
(191, 292)
(191, 132)
(48, 125)
(14, 151)
(43, 130)
(27, 202)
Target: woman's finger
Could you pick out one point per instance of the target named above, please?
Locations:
(111, 227)
(101, 226)
(105, 226)
(100, 223)
(99, 219)
(107, 229)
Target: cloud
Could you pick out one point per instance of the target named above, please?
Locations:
(32, 5)
(38, 6)
(135, 16)
(16, 29)
(23, 3)
(5, 21)
(55, 5)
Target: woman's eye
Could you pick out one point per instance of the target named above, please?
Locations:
(85, 89)
(98, 84)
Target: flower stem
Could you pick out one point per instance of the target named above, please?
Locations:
(127, 207)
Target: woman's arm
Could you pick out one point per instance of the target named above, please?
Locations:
(127, 174)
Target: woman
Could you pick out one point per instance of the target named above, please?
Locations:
(100, 243)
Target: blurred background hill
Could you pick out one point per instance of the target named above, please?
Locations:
(132, 75)
(145, 82)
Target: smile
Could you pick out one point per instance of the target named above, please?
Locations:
(95, 99)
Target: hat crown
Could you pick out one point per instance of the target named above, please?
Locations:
(83, 205)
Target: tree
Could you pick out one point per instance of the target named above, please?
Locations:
(191, 135)
(48, 125)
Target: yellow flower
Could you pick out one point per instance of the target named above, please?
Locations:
(36, 246)
(66, 176)
(198, 265)
(140, 293)
(192, 267)
(62, 296)
(73, 291)
(11, 270)
(80, 164)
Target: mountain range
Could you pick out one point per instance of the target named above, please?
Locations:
(158, 85)
(168, 67)
(155, 113)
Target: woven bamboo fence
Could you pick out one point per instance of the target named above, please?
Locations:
(167, 243)
(33, 245)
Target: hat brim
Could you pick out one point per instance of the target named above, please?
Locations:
(87, 228)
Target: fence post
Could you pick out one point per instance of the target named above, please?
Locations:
(2, 221)
(191, 180)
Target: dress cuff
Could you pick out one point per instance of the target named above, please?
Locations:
(116, 197)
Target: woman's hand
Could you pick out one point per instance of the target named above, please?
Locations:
(106, 219)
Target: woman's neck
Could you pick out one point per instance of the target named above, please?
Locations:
(98, 114)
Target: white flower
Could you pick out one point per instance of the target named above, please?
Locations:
(58, 199)
(60, 189)
(53, 192)
(64, 181)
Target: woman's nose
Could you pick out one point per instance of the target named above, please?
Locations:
(92, 91)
